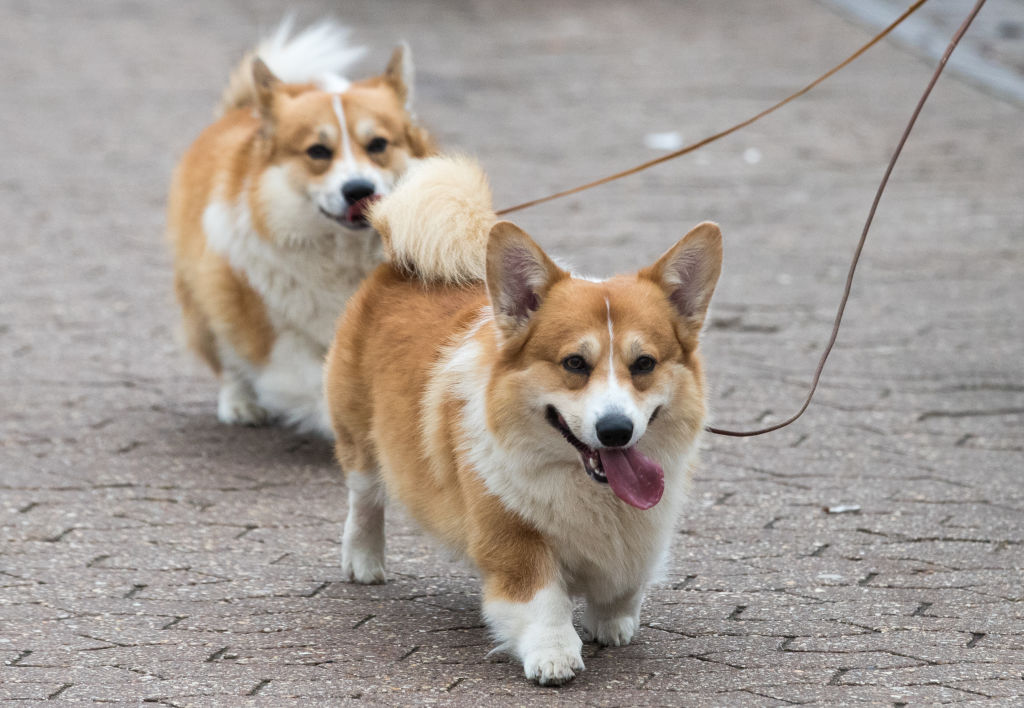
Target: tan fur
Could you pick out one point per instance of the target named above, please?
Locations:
(439, 197)
(215, 299)
(437, 384)
(249, 174)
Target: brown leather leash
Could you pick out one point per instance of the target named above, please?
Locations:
(871, 213)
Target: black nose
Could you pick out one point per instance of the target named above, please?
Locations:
(614, 430)
(356, 189)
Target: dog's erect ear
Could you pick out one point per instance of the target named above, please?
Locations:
(519, 275)
(688, 273)
(401, 74)
(265, 81)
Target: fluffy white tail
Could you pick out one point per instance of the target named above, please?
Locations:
(437, 221)
(318, 54)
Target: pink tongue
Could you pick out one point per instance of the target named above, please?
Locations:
(358, 210)
(635, 478)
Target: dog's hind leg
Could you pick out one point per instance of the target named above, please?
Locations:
(362, 545)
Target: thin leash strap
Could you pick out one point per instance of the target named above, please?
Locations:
(728, 131)
(863, 237)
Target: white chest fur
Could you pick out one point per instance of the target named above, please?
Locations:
(304, 280)
(303, 283)
(606, 548)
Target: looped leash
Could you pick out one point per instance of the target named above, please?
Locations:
(871, 213)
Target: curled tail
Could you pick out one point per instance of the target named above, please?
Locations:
(437, 221)
(318, 54)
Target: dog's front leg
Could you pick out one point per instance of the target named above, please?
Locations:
(613, 622)
(538, 629)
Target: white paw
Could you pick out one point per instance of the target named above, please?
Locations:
(614, 632)
(553, 666)
(361, 566)
(236, 406)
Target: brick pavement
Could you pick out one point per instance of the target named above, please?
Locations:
(151, 554)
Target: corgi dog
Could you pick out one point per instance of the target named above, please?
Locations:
(539, 423)
(267, 216)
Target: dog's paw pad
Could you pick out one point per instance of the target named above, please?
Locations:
(552, 667)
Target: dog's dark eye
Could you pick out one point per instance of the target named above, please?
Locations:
(377, 145)
(643, 365)
(319, 152)
(576, 364)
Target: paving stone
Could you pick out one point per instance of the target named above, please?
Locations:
(151, 553)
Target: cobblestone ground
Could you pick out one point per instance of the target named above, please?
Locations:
(153, 554)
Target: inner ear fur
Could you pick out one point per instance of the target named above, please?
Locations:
(688, 272)
(401, 74)
(519, 276)
(266, 84)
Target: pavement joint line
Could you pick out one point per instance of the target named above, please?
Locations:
(735, 614)
(975, 638)
(216, 655)
(176, 620)
(866, 580)
(409, 653)
(319, 588)
(363, 621)
(686, 582)
(60, 536)
(55, 694)
(816, 553)
(98, 559)
(135, 589)
(837, 676)
(258, 687)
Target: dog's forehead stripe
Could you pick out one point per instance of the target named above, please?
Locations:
(611, 344)
(346, 144)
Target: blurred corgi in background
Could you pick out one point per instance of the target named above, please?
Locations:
(267, 216)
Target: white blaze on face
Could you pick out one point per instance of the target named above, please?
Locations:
(610, 396)
(346, 141)
(327, 193)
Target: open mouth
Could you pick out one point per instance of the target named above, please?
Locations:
(355, 215)
(591, 459)
(634, 478)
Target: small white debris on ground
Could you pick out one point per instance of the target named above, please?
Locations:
(842, 509)
(663, 141)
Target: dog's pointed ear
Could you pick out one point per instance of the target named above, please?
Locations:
(519, 275)
(688, 273)
(266, 83)
(401, 74)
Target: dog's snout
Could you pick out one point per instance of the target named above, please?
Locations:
(614, 429)
(356, 189)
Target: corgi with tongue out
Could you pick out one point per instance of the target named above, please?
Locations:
(541, 424)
